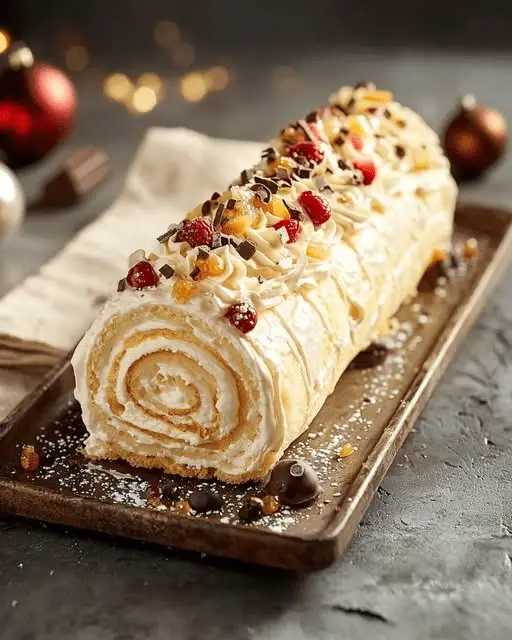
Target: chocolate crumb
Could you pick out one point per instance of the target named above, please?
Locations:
(202, 253)
(295, 213)
(203, 501)
(195, 273)
(215, 195)
(169, 490)
(167, 271)
(231, 204)
(246, 249)
(400, 151)
(387, 113)
(171, 231)
(121, 285)
(206, 208)
(252, 509)
(372, 110)
(339, 141)
(270, 184)
(343, 165)
(260, 279)
(153, 495)
(218, 216)
(312, 117)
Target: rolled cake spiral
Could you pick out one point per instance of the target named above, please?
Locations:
(222, 345)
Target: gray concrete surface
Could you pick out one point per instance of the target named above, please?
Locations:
(433, 556)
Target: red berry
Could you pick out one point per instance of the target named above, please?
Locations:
(306, 149)
(243, 316)
(142, 275)
(357, 141)
(316, 206)
(196, 232)
(367, 168)
(292, 228)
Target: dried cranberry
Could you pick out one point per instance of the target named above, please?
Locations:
(142, 275)
(367, 168)
(196, 232)
(243, 316)
(306, 149)
(316, 206)
(292, 228)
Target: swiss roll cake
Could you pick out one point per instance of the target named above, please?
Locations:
(232, 327)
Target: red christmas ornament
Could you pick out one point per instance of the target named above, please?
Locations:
(37, 108)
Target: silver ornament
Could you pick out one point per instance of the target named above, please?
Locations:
(12, 202)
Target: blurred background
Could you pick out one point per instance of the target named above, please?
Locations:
(242, 70)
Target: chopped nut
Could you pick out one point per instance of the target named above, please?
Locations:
(29, 458)
(183, 291)
(182, 507)
(153, 495)
(271, 505)
(346, 450)
(470, 249)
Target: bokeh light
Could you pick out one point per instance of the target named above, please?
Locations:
(193, 86)
(153, 81)
(77, 58)
(217, 78)
(183, 54)
(166, 34)
(144, 100)
(284, 77)
(5, 41)
(118, 87)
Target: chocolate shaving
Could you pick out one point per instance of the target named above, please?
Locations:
(121, 285)
(206, 208)
(260, 279)
(401, 123)
(400, 151)
(312, 117)
(218, 216)
(168, 234)
(340, 108)
(195, 273)
(215, 195)
(387, 113)
(216, 240)
(266, 182)
(295, 213)
(342, 165)
(202, 253)
(167, 271)
(282, 173)
(372, 110)
(304, 173)
(262, 191)
(270, 153)
(351, 103)
(247, 249)
(246, 176)
(321, 183)
(231, 204)
(339, 140)
(363, 84)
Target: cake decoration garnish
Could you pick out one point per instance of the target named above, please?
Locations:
(243, 316)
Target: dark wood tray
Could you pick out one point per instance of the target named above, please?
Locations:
(373, 408)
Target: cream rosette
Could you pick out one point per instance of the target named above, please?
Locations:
(167, 381)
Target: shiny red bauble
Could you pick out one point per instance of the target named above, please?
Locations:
(37, 108)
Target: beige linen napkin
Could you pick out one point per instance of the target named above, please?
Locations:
(44, 317)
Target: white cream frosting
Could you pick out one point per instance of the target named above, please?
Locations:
(374, 247)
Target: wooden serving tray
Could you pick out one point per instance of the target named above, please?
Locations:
(373, 408)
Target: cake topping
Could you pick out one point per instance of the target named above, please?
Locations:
(306, 151)
(294, 482)
(292, 228)
(29, 458)
(316, 206)
(246, 249)
(142, 275)
(196, 232)
(367, 167)
(171, 231)
(252, 509)
(205, 500)
(243, 316)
